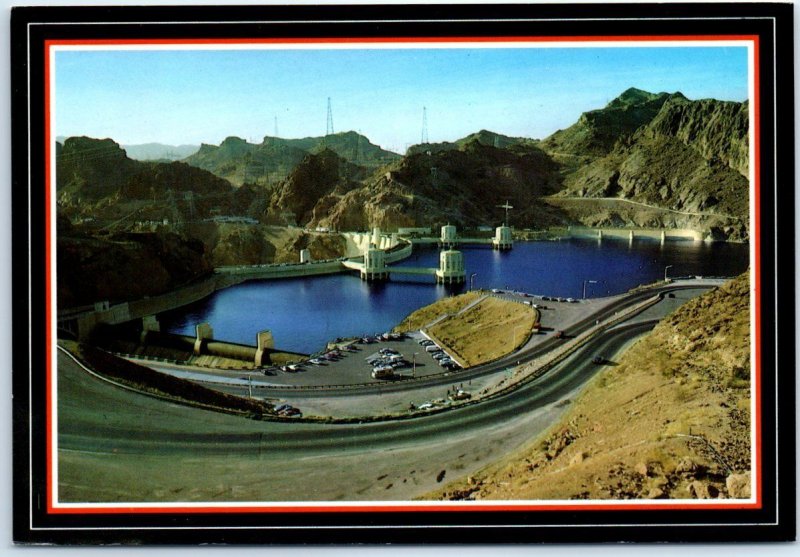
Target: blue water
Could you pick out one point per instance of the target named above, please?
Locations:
(304, 313)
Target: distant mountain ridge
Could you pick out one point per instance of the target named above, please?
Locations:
(686, 161)
(159, 151)
(274, 158)
(96, 176)
(460, 185)
(484, 137)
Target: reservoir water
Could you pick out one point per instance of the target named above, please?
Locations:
(304, 313)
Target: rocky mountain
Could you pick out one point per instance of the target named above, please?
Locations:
(124, 266)
(644, 160)
(159, 151)
(462, 185)
(274, 158)
(315, 179)
(687, 158)
(596, 132)
(483, 137)
(670, 419)
(95, 178)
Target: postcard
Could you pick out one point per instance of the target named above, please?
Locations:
(403, 274)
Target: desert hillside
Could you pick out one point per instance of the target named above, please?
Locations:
(670, 419)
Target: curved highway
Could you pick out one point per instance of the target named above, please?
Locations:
(121, 445)
(522, 356)
(247, 436)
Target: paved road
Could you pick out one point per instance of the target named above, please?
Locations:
(168, 452)
(116, 445)
(529, 352)
(648, 206)
(178, 436)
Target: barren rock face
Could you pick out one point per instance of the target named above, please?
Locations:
(686, 156)
(738, 486)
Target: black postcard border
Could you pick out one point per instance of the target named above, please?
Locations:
(771, 22)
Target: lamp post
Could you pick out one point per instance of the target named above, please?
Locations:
(250, 385)
(585, 282)
(665, 272)
(472, 281)
(414, 364)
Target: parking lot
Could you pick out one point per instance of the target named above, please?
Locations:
(349, 365)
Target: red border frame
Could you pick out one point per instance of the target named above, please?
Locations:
(266, 508)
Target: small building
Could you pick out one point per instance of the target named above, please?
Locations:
(503, 239)
(305, 256)
(451, 267)
(449, 234)
(374, 268)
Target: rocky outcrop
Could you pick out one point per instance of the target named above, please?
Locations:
(597, 131)
(483, 137)
(690, 157)
(461, 186)
(670, 419)
(96, 179)
(241, 245)
(125, 266)
(317, 176)
(717, 130)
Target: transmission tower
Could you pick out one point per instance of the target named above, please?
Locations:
(424, 137)
(329, 129)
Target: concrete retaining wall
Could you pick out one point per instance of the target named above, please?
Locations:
(638, 233)
(82, 324)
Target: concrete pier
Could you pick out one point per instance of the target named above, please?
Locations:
(264, 343)
(203, 334)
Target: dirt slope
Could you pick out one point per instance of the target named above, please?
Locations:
(671, 420)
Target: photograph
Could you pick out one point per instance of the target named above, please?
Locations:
(293, 268)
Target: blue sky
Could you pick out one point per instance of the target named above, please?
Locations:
(196, 96)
